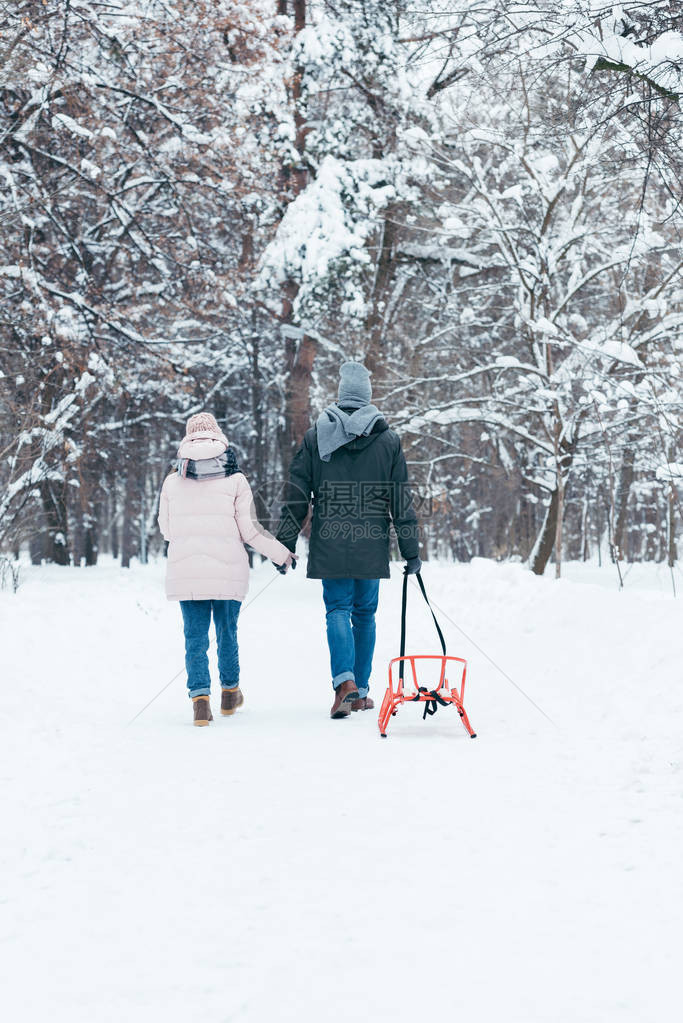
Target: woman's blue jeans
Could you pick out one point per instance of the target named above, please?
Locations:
(351, 606)
(196, 622)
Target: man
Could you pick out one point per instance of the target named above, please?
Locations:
(353, 468)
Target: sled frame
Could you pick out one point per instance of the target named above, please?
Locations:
(396, 693)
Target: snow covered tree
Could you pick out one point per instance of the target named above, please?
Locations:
(214, 203)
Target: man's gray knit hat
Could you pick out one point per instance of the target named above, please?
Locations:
(354, 384)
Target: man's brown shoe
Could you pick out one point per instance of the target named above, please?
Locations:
(202, 710)
(363, 703)
(231, 699)
(344, 695)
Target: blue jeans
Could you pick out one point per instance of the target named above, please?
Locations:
(351, 606)
(196, 622)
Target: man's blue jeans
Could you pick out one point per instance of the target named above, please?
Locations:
(196, 622)
(351, 606)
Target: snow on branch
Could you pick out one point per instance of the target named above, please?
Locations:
(671, 472)
(659, 63)
(330, 220)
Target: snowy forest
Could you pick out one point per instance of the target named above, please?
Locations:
(210, 204)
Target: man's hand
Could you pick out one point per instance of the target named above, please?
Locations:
(282, 569)
(413, 566)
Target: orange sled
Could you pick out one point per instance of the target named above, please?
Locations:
(400, 691)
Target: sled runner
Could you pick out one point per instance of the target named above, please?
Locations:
(423, 667)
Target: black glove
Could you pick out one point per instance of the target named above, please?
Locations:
(282, 569)
(413, 566)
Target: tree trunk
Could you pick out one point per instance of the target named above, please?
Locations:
(258, 422)
(143, 525)
(672, 551)
(651, 521)
(53, 495)
(82, 525)
(551, 532)
(559, 522)
(127, 525)
(300, 352)
(545, 541)
(585, 528)
(91, 544)
(36, 548)
(375, 322)
(621, 497)
(77, 535)
(114, 526)
(300, 356)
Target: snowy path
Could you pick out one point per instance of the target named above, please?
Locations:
(278, 866)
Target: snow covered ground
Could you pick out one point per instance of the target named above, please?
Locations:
(279, 866)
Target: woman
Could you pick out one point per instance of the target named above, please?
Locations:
(206, 514)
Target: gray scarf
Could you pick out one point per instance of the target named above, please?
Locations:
(335, 427)
(208, 468)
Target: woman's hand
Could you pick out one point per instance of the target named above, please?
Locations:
(291, 560)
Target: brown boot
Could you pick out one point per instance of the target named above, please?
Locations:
(231, 699)
(363, 703)
(202, 710)
(344, 696)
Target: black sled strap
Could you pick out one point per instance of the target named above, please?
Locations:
(432, 704)
(404, 606)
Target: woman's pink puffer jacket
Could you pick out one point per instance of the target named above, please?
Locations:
(206, 523)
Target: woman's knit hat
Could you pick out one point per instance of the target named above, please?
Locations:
(204, 423)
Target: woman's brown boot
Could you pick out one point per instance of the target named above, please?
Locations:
(231, 699)
(202, 710)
